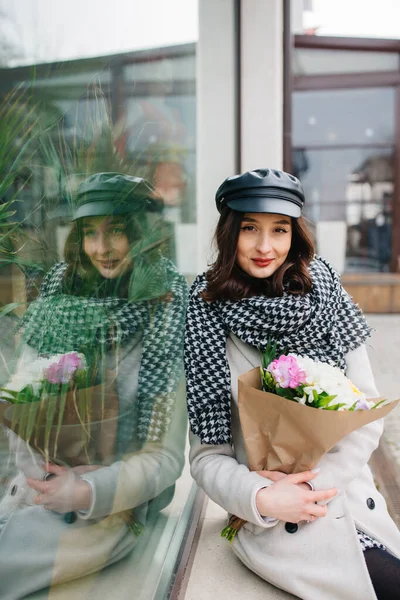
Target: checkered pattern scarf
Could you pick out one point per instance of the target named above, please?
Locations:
(323, 324)
(57, 322)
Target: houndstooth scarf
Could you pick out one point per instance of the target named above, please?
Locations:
(57, 322)
(323, 324)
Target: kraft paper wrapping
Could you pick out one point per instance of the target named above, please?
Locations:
(85, 434)
(282, 435)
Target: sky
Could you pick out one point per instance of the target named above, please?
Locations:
(366, 18)
(64, 29)
(51, 30)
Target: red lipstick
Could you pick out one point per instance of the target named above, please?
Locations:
(262, 262)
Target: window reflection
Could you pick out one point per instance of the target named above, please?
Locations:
(353, 187)
(318, 61)
(338, 117)
(108, 287)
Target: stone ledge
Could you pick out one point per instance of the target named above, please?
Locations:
(217, 573)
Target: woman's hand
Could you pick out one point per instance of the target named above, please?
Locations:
(287, 501)
(278, 475)
(63, 492)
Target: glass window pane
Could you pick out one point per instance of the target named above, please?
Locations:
(338, 117)
(168, 69)
(94, 269)
(307, 61)
(349, 195)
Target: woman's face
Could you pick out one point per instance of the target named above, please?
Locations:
(106, 244)
(264, 243)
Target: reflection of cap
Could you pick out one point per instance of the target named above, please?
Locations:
(262, 190)
(112, 194)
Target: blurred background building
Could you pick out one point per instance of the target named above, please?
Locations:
(275, 90)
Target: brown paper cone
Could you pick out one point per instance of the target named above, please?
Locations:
(282, 435)
(88, 431)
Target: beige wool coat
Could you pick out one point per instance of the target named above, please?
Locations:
(54, 552)
(322, 560)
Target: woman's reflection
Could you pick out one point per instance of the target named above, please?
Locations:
(118, 302)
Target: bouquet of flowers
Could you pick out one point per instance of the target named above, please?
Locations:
(296, 412)
(54, 407)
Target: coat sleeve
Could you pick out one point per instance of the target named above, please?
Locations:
(140, 477)
(344, 461)
(143, 475)
(231, 485)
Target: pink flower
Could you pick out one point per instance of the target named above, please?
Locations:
(63, 370)
(287, 372)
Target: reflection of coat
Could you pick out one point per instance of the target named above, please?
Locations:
(51, 550)
(322, 560)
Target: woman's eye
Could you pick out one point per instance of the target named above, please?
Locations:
(248, 228)
(118, 231)
(88, 233)
(280, 230)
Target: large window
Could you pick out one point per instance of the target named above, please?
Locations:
(343, 152)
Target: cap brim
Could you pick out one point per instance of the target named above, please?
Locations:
(104, 208)
(265, 205)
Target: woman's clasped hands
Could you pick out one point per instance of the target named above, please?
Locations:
(62, 490)
(290, 498)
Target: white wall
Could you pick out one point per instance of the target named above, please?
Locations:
(262, 84)
(215, 114)
(261, 100)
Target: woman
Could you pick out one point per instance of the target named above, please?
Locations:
(116, 300)
(323, 535)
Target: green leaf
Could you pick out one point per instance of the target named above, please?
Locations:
(379, 404)
(12, 393)
(32, 413)
(61, 410)
(50, 414)
(269, 354)
(287, 393)
(335, 406)
(268, 381)
(324, 400)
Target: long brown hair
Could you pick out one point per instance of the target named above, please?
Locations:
(227, 281)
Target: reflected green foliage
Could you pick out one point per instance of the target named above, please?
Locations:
(18, 131)
(34, 147)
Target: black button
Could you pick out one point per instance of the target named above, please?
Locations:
(14, 490)
(291, 527)
(70, 517)
(371, 503)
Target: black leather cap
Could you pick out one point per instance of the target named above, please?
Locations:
(262, 190)
(112, 194)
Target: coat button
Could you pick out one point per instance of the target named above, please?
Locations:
(14, 490)
(291, 527)
(371, 503)
(70, 517)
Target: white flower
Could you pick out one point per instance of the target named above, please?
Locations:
(30, 373)
(301, 400)
(324, 377)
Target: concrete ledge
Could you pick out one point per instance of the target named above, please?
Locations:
(216, 571)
